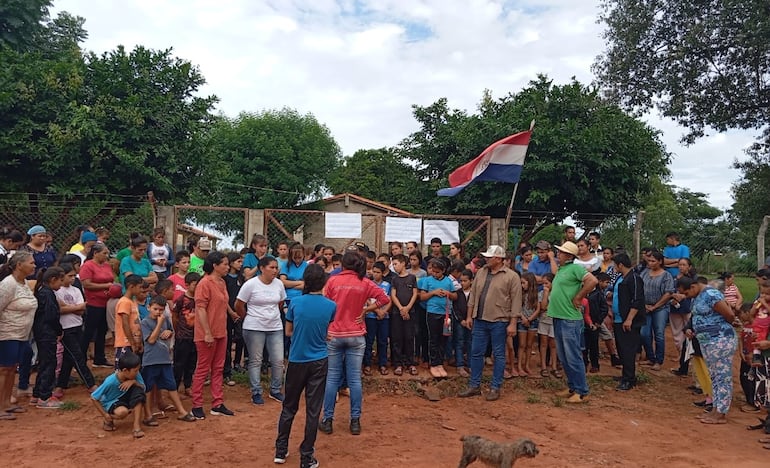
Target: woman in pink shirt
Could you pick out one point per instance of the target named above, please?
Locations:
(210, 339)
(351, 291)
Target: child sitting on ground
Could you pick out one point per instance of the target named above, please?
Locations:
(121, 394)
(157, 370)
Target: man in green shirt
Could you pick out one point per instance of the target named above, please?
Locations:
(565, 305)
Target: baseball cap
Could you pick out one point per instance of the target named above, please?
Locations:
(36, 229)
(494, 251)
(543, 245)
(569, 247)
(204, 243)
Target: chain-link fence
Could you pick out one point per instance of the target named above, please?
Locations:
(61, 216)
(308, 227)
(225, 227)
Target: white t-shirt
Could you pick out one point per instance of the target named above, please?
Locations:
(590, 265)
(70, 295)
(158, 253)
(262, 312)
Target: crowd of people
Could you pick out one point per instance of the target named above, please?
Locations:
(317, 320)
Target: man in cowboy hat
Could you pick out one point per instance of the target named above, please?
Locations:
(570, 286)
(494, 305)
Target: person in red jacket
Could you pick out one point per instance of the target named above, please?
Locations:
(351, 291)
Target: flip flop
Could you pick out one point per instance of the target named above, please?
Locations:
(383, 370)
(159, 415)
(16, 409)
(152, 422)
(399, 371)
(413, 370)
(367, 371)
(138, 434)
(557, 373)
(713, 421)
(187, 418)
(108, 426)
(7, 416)
(544, 373)
(169, 407)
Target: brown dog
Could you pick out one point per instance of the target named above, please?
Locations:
(498, 454)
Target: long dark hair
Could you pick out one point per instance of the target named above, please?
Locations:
(355, 262)
(46, 275)
(256, 239)
(213, 258)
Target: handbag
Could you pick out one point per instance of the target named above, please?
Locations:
(447, 320)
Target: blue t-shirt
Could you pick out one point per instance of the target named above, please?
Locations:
(616, 318)
(143, 310)
(251, 261)
(160, 351)
(109, 391)
(385, 286)
(538, 268)
(310, 315)
(436, 304)
(142, 268)
(680, 251)
(293, 272)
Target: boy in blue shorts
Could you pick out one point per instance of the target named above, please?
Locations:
(157, 365)
(307, 322)
(121, 394)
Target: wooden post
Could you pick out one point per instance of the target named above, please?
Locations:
(638, 236)
(761, 242)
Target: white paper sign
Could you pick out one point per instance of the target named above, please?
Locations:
(447, 231)
(343, 225)
(403, 229)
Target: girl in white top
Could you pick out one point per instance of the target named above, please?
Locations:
(585, 258)
(259, 304)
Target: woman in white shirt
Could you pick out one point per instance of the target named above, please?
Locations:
(585, 258)
(259, 303)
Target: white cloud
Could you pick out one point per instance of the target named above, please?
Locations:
(359, 65)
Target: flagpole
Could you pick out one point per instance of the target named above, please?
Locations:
(513, 197)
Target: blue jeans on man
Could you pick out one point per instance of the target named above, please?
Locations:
(569, 348)
(482, 334)
(345, 358)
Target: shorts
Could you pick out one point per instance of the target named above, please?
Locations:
(544, 328)
(134, 396)
(119, 352)
(533, 326)
(605, 333)
(10, 352)
(161, 375)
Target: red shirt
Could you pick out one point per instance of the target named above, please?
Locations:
(98, 274)
(179, 286)
(211, 294)
(350, 294)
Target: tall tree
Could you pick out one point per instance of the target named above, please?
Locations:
(586, 155)
(21, 22)
(702, 62)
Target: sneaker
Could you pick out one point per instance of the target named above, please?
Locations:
(624, 386)
(326, 426)
(257, 399)
(309, 462)
(280, 458)
(577, 398)
(198, 413)
(355, 426)
(51, 403)
(221, 410)
(230, 382)
(277, 396)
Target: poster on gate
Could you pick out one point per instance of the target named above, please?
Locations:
(343, 225)
(403, 229)
(447, 231)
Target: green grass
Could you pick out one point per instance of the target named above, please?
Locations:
(533, 397)
(747, 285)
(242, 378)
(70, 406)
(643, 377)
(558, 401)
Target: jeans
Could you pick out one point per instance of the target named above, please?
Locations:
(255, 341)
(656, 324)
(345, 358)
(309, 377)
(569, 348)
(74, 357)
(461, 339)
(377, 330)
(95, 328)
(482, 334)
(185, 359)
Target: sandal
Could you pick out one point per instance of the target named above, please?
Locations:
(187, 418)
(169, 407)
(108, 426)
(152, 422)
(159, 415)
(544, 373)
(383, 370)
(16, 409)
(399, 371)
(138, 434)
(7, 416)
(413, 370)
(557, 373)
(367, 371)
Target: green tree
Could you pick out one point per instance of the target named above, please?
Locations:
(752, 203)
(702, 62)
(378, 174)
(21, 22)
(586, 155)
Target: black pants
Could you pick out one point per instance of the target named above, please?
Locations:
(746, 384)
(234, 336)
(185, 359)
(591, 353)
(309, 377)
(134, 396)
(74, 357)
(95, 329)
(46, 369)
(402, 339)
(684, 364)
(628, 343)
(436, 339)
(421, 333)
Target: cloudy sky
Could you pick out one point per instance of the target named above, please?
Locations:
(359, 65)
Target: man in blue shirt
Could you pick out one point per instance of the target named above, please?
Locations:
(674, 251)
(544, 262)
